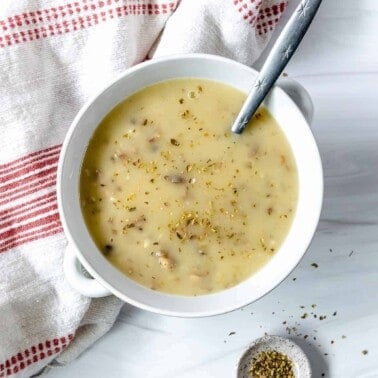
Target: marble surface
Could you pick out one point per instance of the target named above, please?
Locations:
(338, 64)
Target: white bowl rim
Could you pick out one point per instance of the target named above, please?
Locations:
(95, 270)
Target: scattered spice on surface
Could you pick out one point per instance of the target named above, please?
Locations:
(304, 316)
(231, 333)
(271, 363)
(365, 352)
(335, 313)
(315, 265)
(350, 254)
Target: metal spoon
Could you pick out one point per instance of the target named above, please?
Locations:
(277, 60)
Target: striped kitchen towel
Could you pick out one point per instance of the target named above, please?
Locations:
(54, 55)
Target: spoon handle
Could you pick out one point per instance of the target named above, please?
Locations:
(277, 60)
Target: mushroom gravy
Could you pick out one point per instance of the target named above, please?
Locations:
(177, 202)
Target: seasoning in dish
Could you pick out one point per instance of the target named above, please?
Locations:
(271, 363)
(176, 201)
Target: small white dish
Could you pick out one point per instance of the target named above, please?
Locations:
(301, 364)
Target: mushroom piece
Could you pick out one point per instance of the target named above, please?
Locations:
(175, 179)
(166, 263)
(195, 277)
(164, 260)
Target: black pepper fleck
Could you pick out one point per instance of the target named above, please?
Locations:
(107, 249)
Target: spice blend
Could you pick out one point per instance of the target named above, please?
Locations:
(271, 363)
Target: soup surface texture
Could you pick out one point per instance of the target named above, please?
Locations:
(176, 201)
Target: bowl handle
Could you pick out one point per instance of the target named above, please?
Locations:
(299, 95)
(79, 278)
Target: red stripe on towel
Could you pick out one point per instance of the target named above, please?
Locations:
(264, 19)
(31, 188)
(33, 214)
(28, 204)
(34, 353)
(44, 23)
(22, 229)
(22, 182)
(30, 237)
(27, 160)
(36, 166)
(24, 207)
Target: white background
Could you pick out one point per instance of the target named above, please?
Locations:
(338, 64)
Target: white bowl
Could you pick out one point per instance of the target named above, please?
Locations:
(107, 279)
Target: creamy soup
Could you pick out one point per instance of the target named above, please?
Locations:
(177, 202)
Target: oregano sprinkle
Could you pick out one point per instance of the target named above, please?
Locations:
(271, 363)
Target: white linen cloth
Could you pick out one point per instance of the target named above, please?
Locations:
(54, 55)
